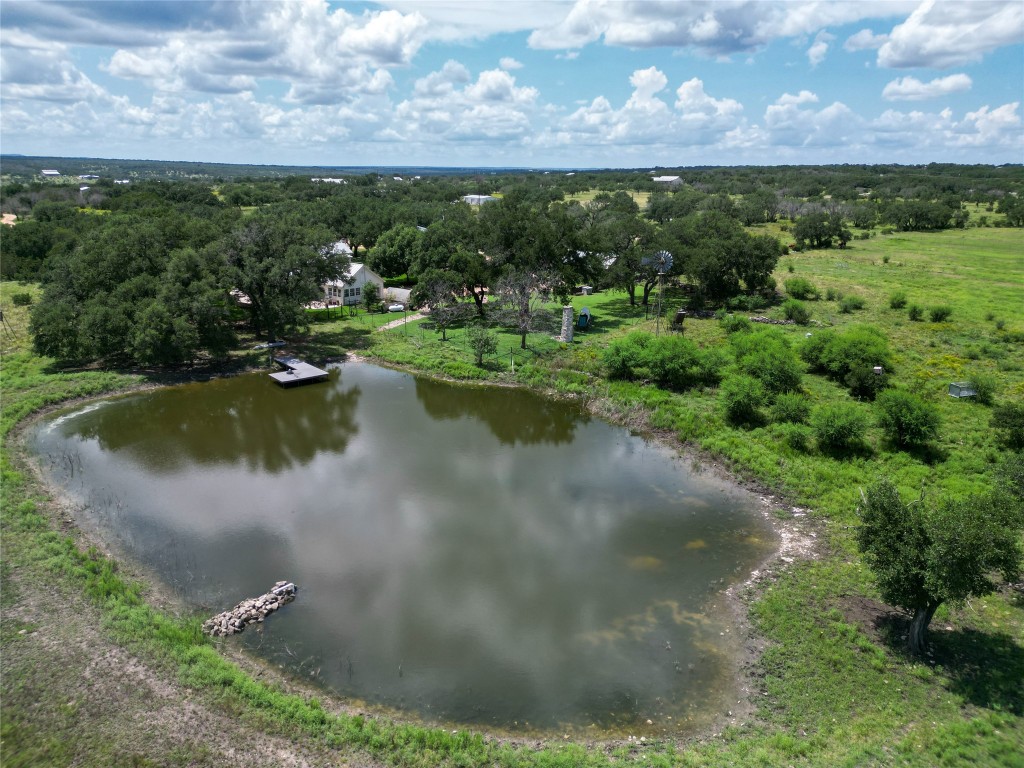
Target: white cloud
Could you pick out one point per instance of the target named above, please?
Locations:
(788, 124)
(994, 130)
(912, 89)
(950, 34)
(507, 62)
(804, 97)
(816, 53)
(864, 40)
(717, 28)
(697, 119)
(448, 105)
(36, 70)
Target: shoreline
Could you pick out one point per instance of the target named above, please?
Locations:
(794, 542)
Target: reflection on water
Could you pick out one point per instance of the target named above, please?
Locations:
(226, 421)
(470, 555)
(514, 416)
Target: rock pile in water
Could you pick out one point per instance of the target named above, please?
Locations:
(251, 611)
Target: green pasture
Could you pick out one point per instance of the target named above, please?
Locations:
(833, 685)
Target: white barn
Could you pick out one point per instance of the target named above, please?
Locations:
(349, 289)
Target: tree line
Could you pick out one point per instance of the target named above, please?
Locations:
(146, 272)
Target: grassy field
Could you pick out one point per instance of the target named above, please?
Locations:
(833, 685)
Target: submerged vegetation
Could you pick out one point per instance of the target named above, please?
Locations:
(850, 396)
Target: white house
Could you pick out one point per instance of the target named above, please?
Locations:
(349, 289)
(49, 172)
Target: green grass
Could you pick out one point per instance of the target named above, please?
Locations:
(833, 686)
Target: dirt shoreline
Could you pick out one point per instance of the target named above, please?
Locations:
(798, 539)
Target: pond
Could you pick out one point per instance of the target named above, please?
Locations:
(480, 556)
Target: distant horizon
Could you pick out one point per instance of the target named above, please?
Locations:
(551, 85)
(568, 169)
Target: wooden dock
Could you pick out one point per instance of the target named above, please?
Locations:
(295, 371)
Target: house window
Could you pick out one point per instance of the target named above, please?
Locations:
(358, 290)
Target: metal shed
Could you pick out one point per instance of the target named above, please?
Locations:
(962, 389)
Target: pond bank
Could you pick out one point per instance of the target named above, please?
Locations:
(768, 504)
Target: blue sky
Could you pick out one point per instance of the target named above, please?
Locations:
(524, 83)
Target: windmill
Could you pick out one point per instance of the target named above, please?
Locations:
(662, 262)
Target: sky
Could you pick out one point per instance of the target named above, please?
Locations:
(515, 83)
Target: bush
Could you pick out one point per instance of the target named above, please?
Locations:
(741, 398)
(735, 324)
(851, 358)
(906, 419)
(673, 362)
(850, 304)
(801, 288)
(21, 299)
(624, 357)
(1008, 424)
(939, 314)
(766, 355)
(898, 300)
(915, 313)
(796, 436)
(791, 407)
(839, 428)
(833, 295)
(985, 387)
(796, 311)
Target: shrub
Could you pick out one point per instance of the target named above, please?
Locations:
(850, 304)
(833, 295)
(673, 362)
(985, 387)
(839, 428)
(791, 407)
(735, 324)
(21, 299)
(898, 300)
(796, 436)
(766, 355)
(741, 398)
(939, 314)
(796, 311)
(1008, 423)
(906, 419)
(851, 358)
(915, 313)
(801, 288)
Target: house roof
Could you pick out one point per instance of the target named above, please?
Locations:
(666, 179)
(342, 247)
(354, 270)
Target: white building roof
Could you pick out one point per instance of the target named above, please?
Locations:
(342, 247)
(478, 199)
(666, 179)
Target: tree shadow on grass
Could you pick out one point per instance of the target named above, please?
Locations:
(985, 668)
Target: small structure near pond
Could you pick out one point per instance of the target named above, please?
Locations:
(962, 389)
(295, 371)
(252, 611)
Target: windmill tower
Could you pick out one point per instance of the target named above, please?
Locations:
(662, 262)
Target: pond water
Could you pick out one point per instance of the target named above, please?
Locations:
(465, 555)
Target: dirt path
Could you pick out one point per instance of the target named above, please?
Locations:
(401, 321)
